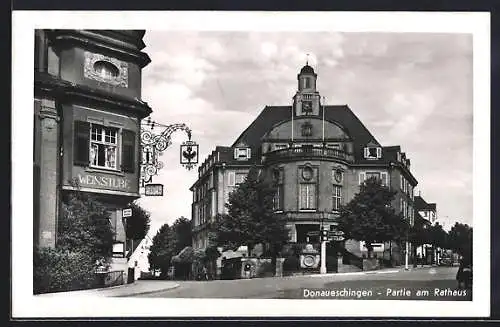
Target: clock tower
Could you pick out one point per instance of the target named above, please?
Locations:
(306, 100)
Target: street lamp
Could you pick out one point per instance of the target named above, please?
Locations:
(324, 235)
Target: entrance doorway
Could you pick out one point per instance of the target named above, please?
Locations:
(303, 229)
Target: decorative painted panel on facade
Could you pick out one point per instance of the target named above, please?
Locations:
(92, 71)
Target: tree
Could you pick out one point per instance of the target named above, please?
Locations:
(168, 242)
(460, 239)
(138, 224)
(251, 219)
(182, 230)
(437, 237)
(84, 226)
(370, 217)
(161, 252)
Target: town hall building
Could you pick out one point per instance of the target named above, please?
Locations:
(319, 156)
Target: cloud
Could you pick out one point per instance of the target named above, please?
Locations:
(409, 89)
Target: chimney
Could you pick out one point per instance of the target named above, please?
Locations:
(418, 192)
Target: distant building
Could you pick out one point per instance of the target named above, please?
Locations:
(318, 154)
(138, 259)
(428, 212)
(87, 114)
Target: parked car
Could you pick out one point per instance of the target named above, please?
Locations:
(446, 262)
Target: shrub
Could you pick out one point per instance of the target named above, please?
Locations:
(265, 270)
(58, 270)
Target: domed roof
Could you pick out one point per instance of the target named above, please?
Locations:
(307, 70)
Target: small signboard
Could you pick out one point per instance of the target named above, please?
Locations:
(118, 250)
(153, 189)
(313, 233)
(337, 238)
(127, 213)
(335, 233)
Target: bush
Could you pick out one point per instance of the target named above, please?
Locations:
(58, 270)
(265, 270)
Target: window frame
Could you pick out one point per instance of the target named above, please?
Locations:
(336, 197)
(308, 197)
(236, 174)
(102, 142)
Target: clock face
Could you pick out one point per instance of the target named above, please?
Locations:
(306, 106)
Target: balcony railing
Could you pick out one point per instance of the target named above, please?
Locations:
(307, 152)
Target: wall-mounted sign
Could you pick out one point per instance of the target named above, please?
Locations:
(377, 247)
(103, 181)
(118, 250)
(189, 154)
(153, 190)
(127, 213)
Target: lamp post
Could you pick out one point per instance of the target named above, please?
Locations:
(323, 235)
(406, 252)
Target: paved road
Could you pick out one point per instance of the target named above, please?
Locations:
(392, 285)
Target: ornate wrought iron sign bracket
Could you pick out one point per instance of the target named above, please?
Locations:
(153, 145)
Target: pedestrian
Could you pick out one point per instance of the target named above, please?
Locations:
(205, 273)
(464, 274)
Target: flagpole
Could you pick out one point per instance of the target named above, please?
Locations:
(292, 122)
(323, 105)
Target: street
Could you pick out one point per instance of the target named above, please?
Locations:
(437, 284)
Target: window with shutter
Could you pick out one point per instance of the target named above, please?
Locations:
(231, 178)
(128, 151)
(385, 182)
(81, 144)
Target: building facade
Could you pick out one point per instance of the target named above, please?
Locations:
(428, 213)
(318, 154)
(87, 113)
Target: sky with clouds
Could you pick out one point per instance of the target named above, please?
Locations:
(409, 89)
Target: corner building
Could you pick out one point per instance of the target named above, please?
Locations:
(87, 113)
(318, 154)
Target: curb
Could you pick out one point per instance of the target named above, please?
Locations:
(373, 272)
(147, 292)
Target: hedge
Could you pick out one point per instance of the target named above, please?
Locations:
(58, 270)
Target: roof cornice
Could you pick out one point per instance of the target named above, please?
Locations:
(46, 84)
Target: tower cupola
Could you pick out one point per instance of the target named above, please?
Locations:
(306, 99)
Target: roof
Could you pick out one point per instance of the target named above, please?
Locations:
(420, 221)
(341, 115)
(421, 204)
(307, 70)
(226, 155)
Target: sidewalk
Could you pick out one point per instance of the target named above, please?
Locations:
(138, 287)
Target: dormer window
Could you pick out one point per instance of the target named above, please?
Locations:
(373, 152)
(242, 153)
